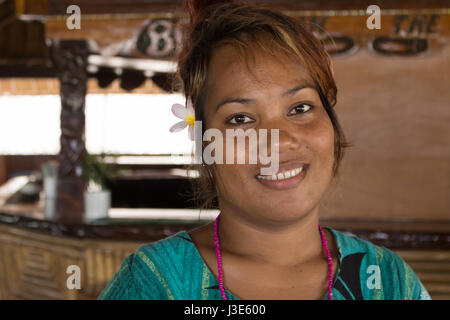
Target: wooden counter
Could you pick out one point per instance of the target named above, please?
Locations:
(35, 253)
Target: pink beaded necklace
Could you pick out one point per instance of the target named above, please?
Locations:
(219, 261)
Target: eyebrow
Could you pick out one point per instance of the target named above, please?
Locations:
(289, 92)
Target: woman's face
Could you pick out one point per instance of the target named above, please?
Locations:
(262, 99)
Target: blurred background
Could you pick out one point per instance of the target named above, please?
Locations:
(89, 170)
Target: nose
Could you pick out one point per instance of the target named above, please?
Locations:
(287, 141)
(288, 138)
(280, 145)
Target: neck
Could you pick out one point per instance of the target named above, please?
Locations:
(284, 244)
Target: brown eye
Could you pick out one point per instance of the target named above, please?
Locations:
(301, 108)
(239, 119)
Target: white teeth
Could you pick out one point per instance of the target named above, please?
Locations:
(282, 175)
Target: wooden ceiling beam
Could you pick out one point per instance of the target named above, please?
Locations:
(59, 7)
(7, 13)
(23, 42)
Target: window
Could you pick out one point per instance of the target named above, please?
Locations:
(130, 124)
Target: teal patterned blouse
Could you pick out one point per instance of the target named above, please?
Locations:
(172, 268)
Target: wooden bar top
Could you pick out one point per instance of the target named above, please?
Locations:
(151, 225)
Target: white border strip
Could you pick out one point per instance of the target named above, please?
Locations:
(141, 64)
(163, 214)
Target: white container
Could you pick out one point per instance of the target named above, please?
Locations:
(49, 208)
(96, 205)
(50, 180)
(50, 197)
(50, 187)
(50, 176)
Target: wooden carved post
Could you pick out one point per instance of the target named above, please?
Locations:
(70, 59)
(3, 170)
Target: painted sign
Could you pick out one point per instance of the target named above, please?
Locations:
(399, 34)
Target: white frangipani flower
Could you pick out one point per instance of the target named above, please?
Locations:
(187, 115)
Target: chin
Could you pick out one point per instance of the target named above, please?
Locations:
(275, 211)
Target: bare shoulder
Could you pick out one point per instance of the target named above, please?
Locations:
(203, 235)
(203, 239)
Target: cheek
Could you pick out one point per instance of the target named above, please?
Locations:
(232, 180)
(322, 142)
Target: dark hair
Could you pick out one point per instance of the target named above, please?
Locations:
(215, 23)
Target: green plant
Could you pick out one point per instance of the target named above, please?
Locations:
(96, 171)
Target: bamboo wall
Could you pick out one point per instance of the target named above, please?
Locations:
(33, 265)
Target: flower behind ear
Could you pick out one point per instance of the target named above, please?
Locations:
(187, 115)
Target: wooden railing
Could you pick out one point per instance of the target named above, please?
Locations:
(433, 269)
(33, 263)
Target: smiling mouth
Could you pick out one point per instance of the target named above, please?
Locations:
(284, 175)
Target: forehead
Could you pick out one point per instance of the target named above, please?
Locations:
(229, 73)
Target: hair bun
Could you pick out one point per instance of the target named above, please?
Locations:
(199, 5)
(198, 8)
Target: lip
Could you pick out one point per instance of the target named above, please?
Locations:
(288, 183)
(287, 165)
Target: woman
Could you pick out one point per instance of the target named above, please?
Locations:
(247, 67)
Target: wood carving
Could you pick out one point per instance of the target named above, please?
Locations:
(70, 60)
